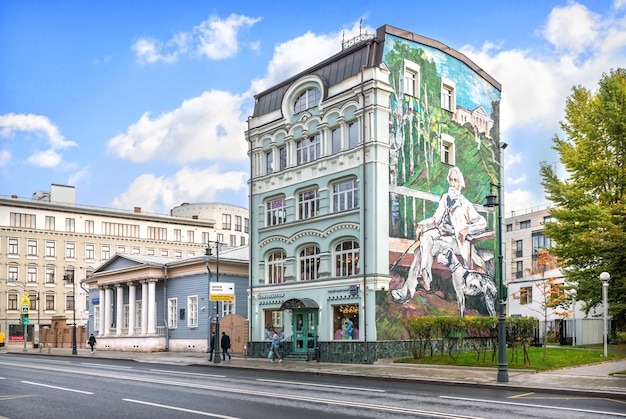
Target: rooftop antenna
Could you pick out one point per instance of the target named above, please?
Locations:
(360, 22)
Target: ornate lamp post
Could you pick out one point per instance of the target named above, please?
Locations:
(67, 278)
(604, 277)
(503, 373)
(217, 357)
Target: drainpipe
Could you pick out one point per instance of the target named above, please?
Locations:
(165, 309)
(251, 318)
(363, 194)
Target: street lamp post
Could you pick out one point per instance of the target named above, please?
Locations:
(604, 277)
(495, 201)
(67, 278)
(216, 358)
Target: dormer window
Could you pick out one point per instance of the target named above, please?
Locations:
(307, 100)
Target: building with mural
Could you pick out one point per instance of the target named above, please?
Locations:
(368, 174)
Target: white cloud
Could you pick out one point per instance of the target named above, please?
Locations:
(209, 127)
(572, 29)
(518, 199)
(214, 38)
(153, 193)
(298, 54)
(5, 157)
(21, 125)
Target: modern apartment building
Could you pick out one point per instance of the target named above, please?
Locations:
(369, 171)
(48, 244)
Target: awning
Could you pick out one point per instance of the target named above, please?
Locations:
(299, 304)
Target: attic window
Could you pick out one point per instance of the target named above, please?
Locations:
(307, 100)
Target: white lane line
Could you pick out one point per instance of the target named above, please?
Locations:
(181, 409)
(541, 406)
(321, 385)
(118, 367)
(57, 388)
(189, 373)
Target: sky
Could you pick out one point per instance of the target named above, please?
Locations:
(144, 103)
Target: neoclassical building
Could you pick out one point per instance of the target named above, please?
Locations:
(358, 165)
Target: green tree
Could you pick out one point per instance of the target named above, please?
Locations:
(590, 208)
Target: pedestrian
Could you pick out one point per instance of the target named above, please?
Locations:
(225, 343)
(276, 348)
(211, 346)
(92, 341)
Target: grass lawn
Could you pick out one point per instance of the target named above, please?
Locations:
(556, 357)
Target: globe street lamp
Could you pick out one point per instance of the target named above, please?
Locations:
(67, 278)
(217, 357)
(604, 277)
(503, 373)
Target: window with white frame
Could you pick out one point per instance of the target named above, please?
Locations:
(276, 267)
(31, 247)
(242, 241)
(308, 149)
(69, 301)
(31, 274)
(335, 139)
(125, 311)
(246, 225)
(89, 227)
(172, 313)
(526, 295)
(49, 274)
(345, 195)
(22, 220)
(233, 240)
(70, 250)
(49, 223)
(447, 149)
(228, 307)
(138, 308)
(191, 237)
(411, 78)
(12, 300)
(105, 252)
(448, 95)
(157, 233)
(165, 252)
(135, 250)
(276, 211)
(237, 222)
(309, 263)
(178, 234)
(150, 251)
(269, 162)
(90, 251)
(353, 135)
(70, 225)
(226, 221)
(347, 258)
(307, 100)
(12, 271)
(13, 248)
(51, 249)
(50, 301)
(308, 204)
(192, 311)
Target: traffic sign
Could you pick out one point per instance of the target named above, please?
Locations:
(222, 291)
(25, 309)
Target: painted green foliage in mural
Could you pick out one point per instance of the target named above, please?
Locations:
(418, 128)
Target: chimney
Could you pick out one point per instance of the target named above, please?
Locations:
(137, 210)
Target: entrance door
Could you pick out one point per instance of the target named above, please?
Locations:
(305, 330)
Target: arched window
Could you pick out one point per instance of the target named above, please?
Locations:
(308, 99)
(347, 258)
(276, 267)
(309, 263)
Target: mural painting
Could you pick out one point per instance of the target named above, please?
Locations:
(444, 137)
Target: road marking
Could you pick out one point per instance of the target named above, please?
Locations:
(521, 395)
(13, 397)
(321, 385)
(181, 409)
(120, 367)
(57, 388)
(571, 409)
(189, 373)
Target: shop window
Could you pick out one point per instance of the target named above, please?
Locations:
(346, 322)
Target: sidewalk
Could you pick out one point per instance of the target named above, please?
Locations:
(589, 380)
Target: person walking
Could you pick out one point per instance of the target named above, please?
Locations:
(276, 348)
(225, 343)
(212, 346)
(92, 341)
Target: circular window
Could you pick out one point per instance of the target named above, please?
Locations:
(308, 99)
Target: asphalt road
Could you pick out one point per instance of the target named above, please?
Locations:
(43, 387)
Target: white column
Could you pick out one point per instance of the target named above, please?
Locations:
(144, 308)
(152, 308)
(108, 297)
(101, 303)
(119, 312)
(132, 295)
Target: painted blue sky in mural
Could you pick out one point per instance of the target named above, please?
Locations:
(132, 102)
(471, 90)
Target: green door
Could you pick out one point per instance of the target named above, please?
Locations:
(305, 330)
